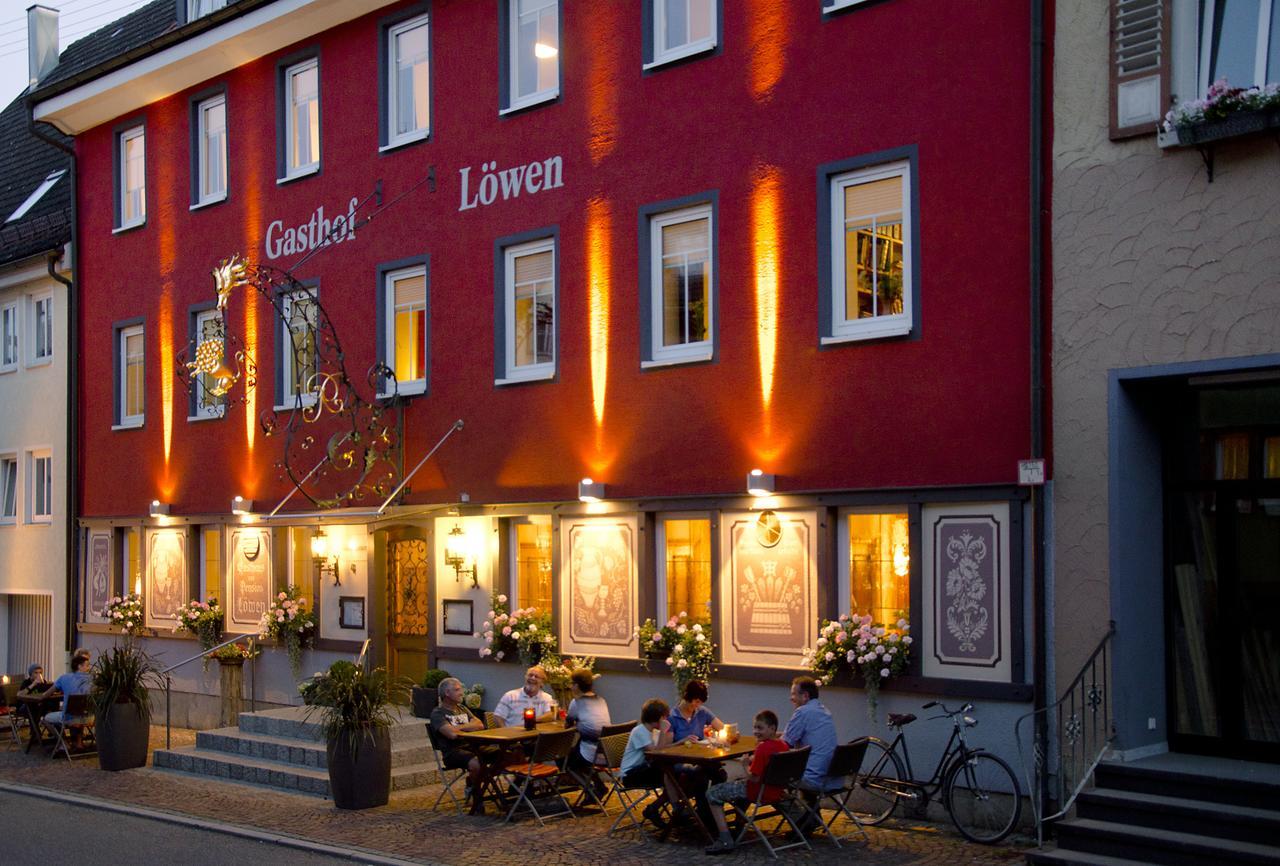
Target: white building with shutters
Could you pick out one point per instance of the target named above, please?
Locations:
(1166, 371)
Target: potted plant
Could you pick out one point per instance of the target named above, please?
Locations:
(424, 697)
(288, 621)
(202, 619)
(119, 691)
(855, 646)
(355, 719)
(231, 659)
(558, 675)
(524, 632)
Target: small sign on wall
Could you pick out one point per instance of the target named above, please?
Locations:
(248, 576)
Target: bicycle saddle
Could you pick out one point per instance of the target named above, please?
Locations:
(898, 720)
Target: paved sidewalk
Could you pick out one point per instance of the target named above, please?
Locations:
(407, 830)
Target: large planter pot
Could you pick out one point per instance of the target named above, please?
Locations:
(424, 701)
(361, 780)
(122, 733)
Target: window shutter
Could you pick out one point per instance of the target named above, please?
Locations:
(1139, 66)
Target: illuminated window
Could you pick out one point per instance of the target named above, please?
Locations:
(42, 329)
(297, 364)
(40, 474)
(405, 311)
(684, 568)
(131, 556)
(302, 119)
(1231, 455)
(870, 270)
(682, 28)
(8, 488)
(211, 148)
(131, 366)
(302, 570)
(531, 549)
(879, 565)
(9, 336)
(207, 326)
(1271, 457)
(131, 149)
(530, 310)
(533, 52)
(407, 81)
(211, 564)
(680, 292)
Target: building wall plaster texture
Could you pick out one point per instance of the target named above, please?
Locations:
(1152, 264)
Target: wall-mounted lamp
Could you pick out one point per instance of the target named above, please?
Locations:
(321, 558)
(590, 491)
(457, 552)
(241, 507)
(760, 483)
(158, 508)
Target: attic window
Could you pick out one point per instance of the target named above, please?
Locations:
(198, 8)
(54, 177)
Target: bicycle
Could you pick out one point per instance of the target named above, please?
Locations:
(979, 790)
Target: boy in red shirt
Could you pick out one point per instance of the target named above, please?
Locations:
(765, 729)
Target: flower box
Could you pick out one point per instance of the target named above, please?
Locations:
(1244, 123)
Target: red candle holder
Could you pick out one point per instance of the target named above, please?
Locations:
(530, 719)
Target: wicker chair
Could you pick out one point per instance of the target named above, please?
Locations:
(613, 747)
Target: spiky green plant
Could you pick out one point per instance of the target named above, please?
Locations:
(352, 702)
(123, 674)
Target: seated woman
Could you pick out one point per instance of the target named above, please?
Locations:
(691, 721)
(590, 713)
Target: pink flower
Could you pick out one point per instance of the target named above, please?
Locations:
(506, 630)
(829, 656)
(282, 596)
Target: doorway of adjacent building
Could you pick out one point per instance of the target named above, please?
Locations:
(1222, 590)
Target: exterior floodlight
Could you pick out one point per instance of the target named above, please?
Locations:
(241, 506)
(759, 483)
(158, 508)
(590, 491)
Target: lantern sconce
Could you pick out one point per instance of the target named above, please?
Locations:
(457, 553)
(590, 491)
(760, 483)
(320, 556)
(159, 509)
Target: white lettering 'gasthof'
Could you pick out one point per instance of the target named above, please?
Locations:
(532, 177)
(315, 232)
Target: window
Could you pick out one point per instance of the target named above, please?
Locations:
(210, 562)
(407, 81)
(533, 52)
(197, 8)
(42, 328)
(132, 366)
(405, 299)
(529, 303)
(131, 559)
(8, 488)
(684, 568)
(877, 563)
(1234, 40)
(9, 336)
(207, 325)
(38, 193)
(211, 150)
(298, 361)
(302, 119)
(833, 5)
(871, 247)
(132, 168)
(680, 286)
(532, 553)
(681, 28)
(40, 471)
(302, 570)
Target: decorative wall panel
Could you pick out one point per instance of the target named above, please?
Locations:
(599, 585)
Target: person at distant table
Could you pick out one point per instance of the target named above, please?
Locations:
(512, 705)
(811, 725)
(74, 682)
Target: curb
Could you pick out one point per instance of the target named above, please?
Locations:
(359, 855)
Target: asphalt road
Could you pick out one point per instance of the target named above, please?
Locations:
(45, 831)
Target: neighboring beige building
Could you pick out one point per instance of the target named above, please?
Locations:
(1166, 377)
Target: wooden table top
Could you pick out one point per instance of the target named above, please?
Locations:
(697, 753)
(41, 697)
(510, 733)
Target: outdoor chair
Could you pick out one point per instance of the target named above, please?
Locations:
(612, 747)
(845, 762)
(77, 707)
(449, 776)
(542, 774)
(587, 779)
(784, 770)
(491, 721)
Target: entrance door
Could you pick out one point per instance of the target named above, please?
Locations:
(1223, 583)
(408, 607)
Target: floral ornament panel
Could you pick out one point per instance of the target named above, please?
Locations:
(600, 594)
(166, 576)
(97, 575)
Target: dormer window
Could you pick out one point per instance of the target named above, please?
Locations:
(199, 8)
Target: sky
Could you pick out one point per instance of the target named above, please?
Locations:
(78, 18)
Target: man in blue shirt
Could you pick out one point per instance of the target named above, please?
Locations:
(811, 725)
(75, 682)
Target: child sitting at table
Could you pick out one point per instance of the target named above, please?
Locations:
(742, 792)
(653, 732)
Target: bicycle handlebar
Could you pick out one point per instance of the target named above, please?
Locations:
(964, 708)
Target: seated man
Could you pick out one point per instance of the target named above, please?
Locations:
(742, 792)
(450, 718)
(811, 725)
(74, 682)
(35, 681)
(513, 704)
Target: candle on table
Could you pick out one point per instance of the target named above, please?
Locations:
(530, 719)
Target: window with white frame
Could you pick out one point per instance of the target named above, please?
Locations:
(533, 51)
(211, 141)
(298, 359)
(40, 473)
(302, 118)
(42, 328)
(875, 564)
(132, 366)
(530, 292)
(682, 27)
(1239, 41)
(8, 488)
(680, 284)
(9, 336)
(406, 318)
(684, 567)
(408, 82)
(198, 8)
(871, 241)
(133, 181)
(531, 562)
(208, 326)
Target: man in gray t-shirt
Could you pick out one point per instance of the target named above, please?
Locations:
(449, 719)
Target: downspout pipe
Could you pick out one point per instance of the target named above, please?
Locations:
(72, 449)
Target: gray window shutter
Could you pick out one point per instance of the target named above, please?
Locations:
(1139, 66)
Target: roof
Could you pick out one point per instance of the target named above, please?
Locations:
(120, 36)
(25, 162)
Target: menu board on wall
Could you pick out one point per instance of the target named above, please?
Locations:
(599, 585)
(768, 584)
(249, 576)
(97, 578)
(166, 576)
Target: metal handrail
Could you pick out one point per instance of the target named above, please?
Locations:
(1084, 730)
(168, 680)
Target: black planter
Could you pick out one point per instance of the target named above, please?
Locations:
(361, 780)
(424, 701)
(1241, 123)
(122, 734)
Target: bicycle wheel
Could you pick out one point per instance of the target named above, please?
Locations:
(983, 797)
(875, 791)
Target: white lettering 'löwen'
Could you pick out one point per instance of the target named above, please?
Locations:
(532, 177)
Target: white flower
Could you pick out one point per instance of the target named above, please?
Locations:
(484, 651)
(502, 599)
(829, 656)
(498, 655)
(683, 614)
(697, 627)
(822, 641)
(884, 672)
(670, 661)
(681, 630)
(895, 637)
(683, 663)
(906, 639)
(850, 656)
(677, 649)
(902, 623)
(128, 623)
(701, 638)
(515, 635)
(532, 628)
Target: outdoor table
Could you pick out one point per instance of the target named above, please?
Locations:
(700, 755)
(504, 738)
(32, 705)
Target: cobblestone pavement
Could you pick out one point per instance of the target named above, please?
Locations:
(406, 828)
